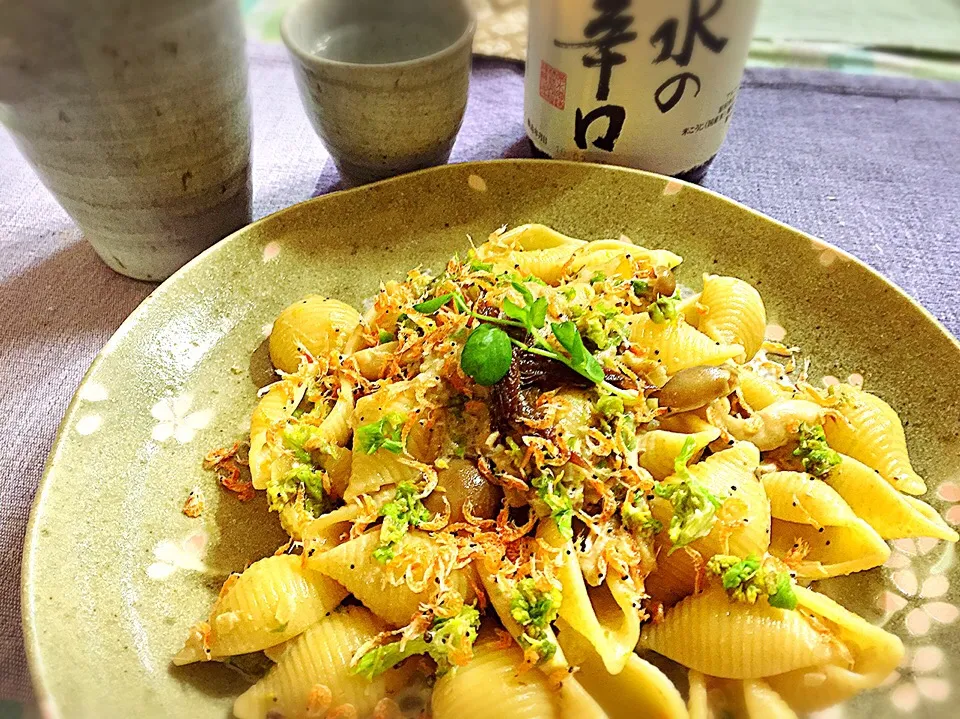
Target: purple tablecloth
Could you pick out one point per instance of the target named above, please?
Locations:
(867, 163)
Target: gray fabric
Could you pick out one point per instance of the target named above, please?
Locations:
(867, 163)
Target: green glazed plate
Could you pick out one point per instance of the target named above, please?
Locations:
(114, 573)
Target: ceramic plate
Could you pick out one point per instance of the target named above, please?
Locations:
(114, 573)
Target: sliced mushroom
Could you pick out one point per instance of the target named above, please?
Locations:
(461, 482)
(695, 387)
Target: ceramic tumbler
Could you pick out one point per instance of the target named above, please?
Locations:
(134, 114)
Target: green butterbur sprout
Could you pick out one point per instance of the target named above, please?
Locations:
(639, 287)
(664, 309)
(404, 511)
(747, 579)
(386, 433)
(814, 452)
(598, 277)
(385, 337)
(551, 493)
(636, 516)
(534, 609)
(448, 641)
(610, 406)
(694, 506)
(297, 436)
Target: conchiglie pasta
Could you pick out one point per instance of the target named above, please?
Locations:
(658, 448)
(316, 324)
(493, 685)
(370, 472)
(605, 616)
(864, 658)
(734, 314)
(870, 431)
(383, 587)
(373, 361)
(499, 593)
(715, 635)
(714, 698)
(273, 600)
(759, 390)
(330, 529)
(638, 690)
(815, 531)
(271, 413)
(775, 425)
(618, 259)
(893, 515)
(677, 345)
(743, 522)
(313, 675)
(677, 574)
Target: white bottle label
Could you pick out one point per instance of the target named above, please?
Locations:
(644, 83)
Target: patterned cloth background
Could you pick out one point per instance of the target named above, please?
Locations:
(919, 38)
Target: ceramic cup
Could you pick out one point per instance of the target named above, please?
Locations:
(134, 114)
(383, 82)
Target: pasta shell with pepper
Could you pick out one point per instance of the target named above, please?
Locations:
(315, 324)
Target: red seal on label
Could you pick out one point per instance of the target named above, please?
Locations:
(553, 85)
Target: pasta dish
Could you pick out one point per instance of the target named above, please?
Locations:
(524, 483)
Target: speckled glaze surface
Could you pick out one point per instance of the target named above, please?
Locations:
(379, 118)
(135, 116)
(114, 573)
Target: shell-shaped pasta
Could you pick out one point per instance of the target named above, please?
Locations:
(373, 361)
(868, 656)
(734, 314)
(500, 593)
(724, 638)
(638, 690)
(743, 522)
(313, 674)
(605, 616)
(775, 424)
(761, 702)
(677, 345)
(698, 702)
(273, 409)
(538, 237)
(676, 574)
(760, 391)
(330, 529)
(370, 472)
(317, 324)
(815, 531)
(273, 600)
(493, 685)
(617, 259)
(659, 448)
(871, 432)
(893, 515)
(383, 588)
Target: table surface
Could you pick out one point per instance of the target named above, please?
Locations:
(865, 162)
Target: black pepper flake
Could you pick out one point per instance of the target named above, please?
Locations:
(828, 542)
(352, 566)
(733, 488)
(820, 530)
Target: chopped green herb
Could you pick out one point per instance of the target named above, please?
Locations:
(639, 287)
(385, 337)
(487, 355)
(553, 494)
(580, 359)
(448, 641)
(598, 277)
(401, 513)
(814, 452)
(747, 579)
(610, 406)
(431, 306)
(534, 609)
(636, 516)
(664, 309)
(694, 506)
(385, 433)
(296, 437)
